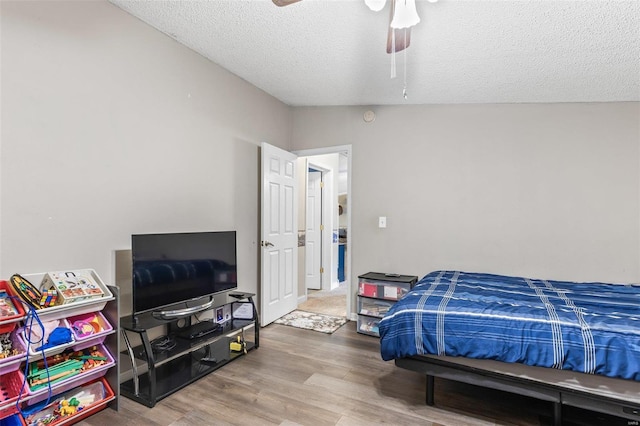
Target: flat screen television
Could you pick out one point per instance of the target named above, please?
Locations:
(171, 270)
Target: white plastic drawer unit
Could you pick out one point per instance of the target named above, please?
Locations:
(373, 307)
(385, 286)
(368, 325)
(377, 293)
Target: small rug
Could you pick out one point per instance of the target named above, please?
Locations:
(310, 321)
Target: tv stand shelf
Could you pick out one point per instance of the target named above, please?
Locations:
(189, 360)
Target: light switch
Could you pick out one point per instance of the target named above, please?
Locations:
(382, 222)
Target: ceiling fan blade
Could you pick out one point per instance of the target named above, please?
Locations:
(282, 3)
(403, 36)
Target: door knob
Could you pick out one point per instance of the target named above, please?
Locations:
(266, 244)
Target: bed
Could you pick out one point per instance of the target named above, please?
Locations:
(564, 342)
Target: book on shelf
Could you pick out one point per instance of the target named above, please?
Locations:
(7, 308)
(374, 311)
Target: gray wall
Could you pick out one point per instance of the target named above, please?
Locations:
(549, 191)
(111, 128)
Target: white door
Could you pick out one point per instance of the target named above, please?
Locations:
(279, 234)
(313, 232)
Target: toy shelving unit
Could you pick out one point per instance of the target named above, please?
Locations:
(11, 368)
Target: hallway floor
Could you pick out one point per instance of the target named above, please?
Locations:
(332, 302)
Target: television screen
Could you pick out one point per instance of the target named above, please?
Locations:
(172, 268)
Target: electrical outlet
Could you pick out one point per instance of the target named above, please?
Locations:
(382, 222)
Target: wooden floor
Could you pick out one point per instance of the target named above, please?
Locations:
(310, 378)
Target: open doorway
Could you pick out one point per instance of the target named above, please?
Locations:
(332, 250)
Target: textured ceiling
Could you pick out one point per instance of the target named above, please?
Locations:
(333, 52)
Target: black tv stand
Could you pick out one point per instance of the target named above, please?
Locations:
(199, 329)
(191, 358)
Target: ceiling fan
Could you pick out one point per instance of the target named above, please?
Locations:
(402, 37)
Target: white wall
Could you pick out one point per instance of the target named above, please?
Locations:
(111, 128)
(548, 191)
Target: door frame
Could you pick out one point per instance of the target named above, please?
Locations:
(341, 149)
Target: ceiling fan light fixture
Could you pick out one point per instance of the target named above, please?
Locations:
(375, 5)
(405, 14)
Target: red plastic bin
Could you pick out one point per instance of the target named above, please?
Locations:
(87, 410)
(10, 385)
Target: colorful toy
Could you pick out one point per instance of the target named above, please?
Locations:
(62, 366)
(49, 298)
(87, 325)
(73, 286)
(7, 348)
(27, 291)
(83, 328)
(239, 345)
(66, 408)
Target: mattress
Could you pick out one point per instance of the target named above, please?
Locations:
(591, 328)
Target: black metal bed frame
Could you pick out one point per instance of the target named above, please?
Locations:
(556, 394)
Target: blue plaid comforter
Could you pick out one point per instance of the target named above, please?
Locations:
(585, 327)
